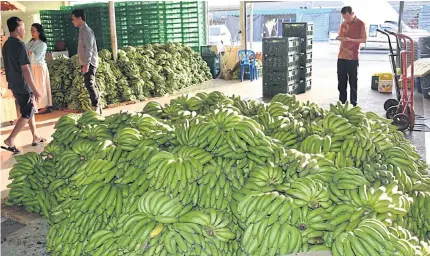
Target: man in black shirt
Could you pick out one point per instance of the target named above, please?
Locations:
(20, 82)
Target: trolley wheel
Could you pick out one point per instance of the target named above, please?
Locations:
(392, 111)
(390, 103)
(402, 121)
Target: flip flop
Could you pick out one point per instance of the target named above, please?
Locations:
(37, 143)
(11, 149)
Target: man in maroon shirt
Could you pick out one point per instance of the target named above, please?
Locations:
(351, 34)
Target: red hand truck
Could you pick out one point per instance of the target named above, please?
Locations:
(405, 117)
(401, 109)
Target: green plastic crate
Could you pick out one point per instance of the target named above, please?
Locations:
(213, 64)
(272, 89)
(304, 85)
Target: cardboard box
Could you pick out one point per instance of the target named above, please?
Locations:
(385, 86)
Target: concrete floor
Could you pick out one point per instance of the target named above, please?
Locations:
(29, 240)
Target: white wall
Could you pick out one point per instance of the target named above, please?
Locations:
(31, 14)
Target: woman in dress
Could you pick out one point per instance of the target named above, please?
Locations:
(37, 50)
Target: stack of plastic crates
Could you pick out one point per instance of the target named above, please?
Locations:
(173, 22)
(280, 65)
(193, 24)
(304, 31)
(121, 21)
(145, 23)
(56, 27)
(137, 23)
(97, 18)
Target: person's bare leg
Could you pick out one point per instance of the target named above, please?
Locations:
(10, 141)
(33, 129)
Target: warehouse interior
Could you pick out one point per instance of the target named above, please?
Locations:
(175, 65)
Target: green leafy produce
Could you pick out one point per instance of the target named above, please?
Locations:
(216, 175)
(151, 70)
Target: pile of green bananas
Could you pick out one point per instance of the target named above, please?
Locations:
(216, 175)
(60, 73)
(151, 70)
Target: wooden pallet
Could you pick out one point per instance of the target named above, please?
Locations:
(421, 67)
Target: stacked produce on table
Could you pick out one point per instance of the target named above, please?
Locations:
(142, 72)
(217, 175)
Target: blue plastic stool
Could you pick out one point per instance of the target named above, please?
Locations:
(246, 61)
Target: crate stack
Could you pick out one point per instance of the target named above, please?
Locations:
(97, 18)
(193, 24)
(212, 58)
(152, 25)
(121, 21)
(304, 31)
(173, 22)
(56, 27)
(280, 65)
(185, 23)
(137, 23)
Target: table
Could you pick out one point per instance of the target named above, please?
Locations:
(421, 67)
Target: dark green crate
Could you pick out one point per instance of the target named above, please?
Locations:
(272, 89)
(281, 46)
(173, 31)
(281, 62)
(297, 29)
(207, 51)
(190, 20)
(306, 72)
(304, 85)
(191, 30)
(173, 25)
(191, 40)
(191, 25)
(213, 64)
(305, 58)
(375, 83)
(280, 76)
(172, 5)
(306, 44)
(173, 11)
(189, 15)
(190, 4)
(191, 35)
(173, 21)
(121, 33)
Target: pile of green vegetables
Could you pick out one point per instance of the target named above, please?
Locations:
(140, 73)
(216, 175)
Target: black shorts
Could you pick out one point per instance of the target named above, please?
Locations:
(26, 104)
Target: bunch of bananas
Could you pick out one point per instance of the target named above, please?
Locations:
(309, 192)
(371, 237)
(153, 108)
(353, 113)
(216, 175)
(276, 239)
(417, 220)
(134, 76)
